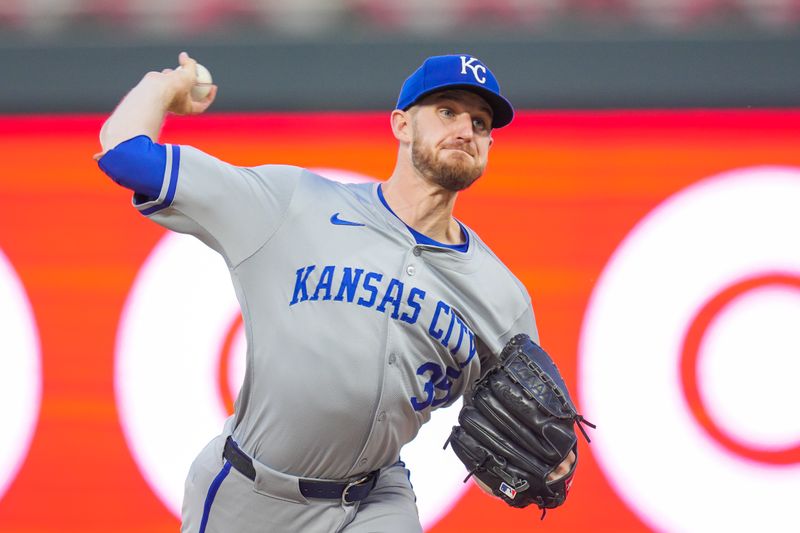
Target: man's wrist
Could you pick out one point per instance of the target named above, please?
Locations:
(156, 88)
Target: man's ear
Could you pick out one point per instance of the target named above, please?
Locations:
(401, 125)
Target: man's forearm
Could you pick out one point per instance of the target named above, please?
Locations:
(141, 112)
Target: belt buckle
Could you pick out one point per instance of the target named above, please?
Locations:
(350, 485)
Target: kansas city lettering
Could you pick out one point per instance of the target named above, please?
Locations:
(353, 285)
(372, 290)
(444, 318)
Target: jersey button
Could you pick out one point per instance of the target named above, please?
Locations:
(363, 461)
(382, 416)
(411, 270)
(392, 358)
(417, 251)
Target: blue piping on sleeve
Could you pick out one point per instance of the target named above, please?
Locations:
(173, 182)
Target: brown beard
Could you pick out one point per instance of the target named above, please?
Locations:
(452, 176)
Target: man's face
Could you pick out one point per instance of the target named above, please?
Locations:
(451, 138)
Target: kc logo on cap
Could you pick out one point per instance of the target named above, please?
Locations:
(469, 63)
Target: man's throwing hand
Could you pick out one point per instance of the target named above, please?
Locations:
(178, 83)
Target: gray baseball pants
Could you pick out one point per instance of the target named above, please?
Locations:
(220, 499)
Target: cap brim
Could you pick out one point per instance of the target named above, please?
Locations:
(502, 110)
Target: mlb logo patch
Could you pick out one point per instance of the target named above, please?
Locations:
(508, 491)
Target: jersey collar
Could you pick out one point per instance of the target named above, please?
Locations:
(421, 238)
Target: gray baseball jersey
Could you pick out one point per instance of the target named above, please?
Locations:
(355, 332)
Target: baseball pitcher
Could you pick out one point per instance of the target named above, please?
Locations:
(365, 306)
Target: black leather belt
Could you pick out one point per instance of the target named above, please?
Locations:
(348, 491)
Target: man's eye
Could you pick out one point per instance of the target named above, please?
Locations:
(479, 124)
(447, 112)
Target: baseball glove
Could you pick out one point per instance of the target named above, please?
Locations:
(518, 426)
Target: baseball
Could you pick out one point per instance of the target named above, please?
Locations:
(203, 84)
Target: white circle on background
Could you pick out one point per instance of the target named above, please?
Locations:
(709, 236)
(165, 377)
(174, 325)
(20, 374)
(753, 345)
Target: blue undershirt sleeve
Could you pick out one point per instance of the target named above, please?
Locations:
(137, 164)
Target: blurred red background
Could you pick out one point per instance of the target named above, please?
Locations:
(561, 191)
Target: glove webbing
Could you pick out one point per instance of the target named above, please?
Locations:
(576, 417)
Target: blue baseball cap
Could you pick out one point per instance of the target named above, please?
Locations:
(457, 71)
